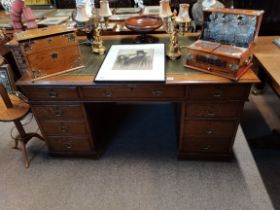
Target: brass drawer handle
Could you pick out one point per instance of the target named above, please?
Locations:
(157, 92)
(52, 94)
(211, 113)
(206, 148)
(108, 93)
(218, 94)
(209, 132)
(63, 128)
(68, 145)
(58, 112)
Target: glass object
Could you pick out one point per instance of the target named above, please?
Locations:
(165, 13)
(200, 5)
(7, 4)
(230, 29)
(105, 9)
(183, 19)
(165, 10)
(81, 15)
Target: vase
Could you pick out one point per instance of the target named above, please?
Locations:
(200, 5)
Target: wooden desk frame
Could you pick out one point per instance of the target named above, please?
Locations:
(209, 109)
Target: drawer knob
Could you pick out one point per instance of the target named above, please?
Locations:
(157, 92)
(206, 148)
(52, 94)
(63, 128)
(209, 132)
(58, 112)
(108, 93)
(68, 145)
(210, 113)
(218, 94)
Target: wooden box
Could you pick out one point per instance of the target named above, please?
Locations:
(225, 47)
(46, 52)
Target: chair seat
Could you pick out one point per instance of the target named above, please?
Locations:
(17, 112)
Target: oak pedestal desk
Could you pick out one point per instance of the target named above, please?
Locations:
(68, 108)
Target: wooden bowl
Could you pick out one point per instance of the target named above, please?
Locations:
(143, 24)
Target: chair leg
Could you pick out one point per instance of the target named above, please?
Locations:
(24, 138)
(24, 153)
(16, 143)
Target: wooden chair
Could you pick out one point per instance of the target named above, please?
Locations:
(12, 108)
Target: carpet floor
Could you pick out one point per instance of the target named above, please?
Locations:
(138, 171)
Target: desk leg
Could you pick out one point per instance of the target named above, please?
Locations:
(271, 141)
(259, 88)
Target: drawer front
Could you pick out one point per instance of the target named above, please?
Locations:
(63, 128)
(58, 112)
(133, 91)
(209, 128)
(51, 93)
(214, 110)
(218, 92)
(202, 145)
(68, 144)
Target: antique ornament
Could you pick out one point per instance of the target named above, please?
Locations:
(226, 44)
(200, 5)
(104, 12)
(174, 25)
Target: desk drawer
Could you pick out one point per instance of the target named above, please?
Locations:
(218, 92)
(214, 110)
(63, 128)
(202, 145)
(58, 112)
(209, 128)
(68, 144)
(51, 93)
(133, 91)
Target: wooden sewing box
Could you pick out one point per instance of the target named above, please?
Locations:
(46, 52)
(226, 44)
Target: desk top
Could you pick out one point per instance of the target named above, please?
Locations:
(176, 73)
(268, 54)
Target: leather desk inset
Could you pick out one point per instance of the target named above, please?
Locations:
(209, 106)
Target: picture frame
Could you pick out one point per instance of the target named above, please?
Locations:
(6, 78)
(49, 21)
(135, 62)
(151, 10)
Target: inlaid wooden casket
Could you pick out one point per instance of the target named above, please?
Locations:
(47, 51)
(225, 47)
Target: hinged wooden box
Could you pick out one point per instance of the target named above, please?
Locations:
(47, 51)
(225, 47)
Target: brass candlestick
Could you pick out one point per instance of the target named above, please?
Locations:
(175, 25)
(97, 44)
(105, 13)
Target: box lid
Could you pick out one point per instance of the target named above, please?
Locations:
(235, 27)
(42, 32)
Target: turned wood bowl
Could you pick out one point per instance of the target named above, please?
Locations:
(143, 24)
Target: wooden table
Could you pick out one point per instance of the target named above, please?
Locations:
(267, 55)
(74, 112)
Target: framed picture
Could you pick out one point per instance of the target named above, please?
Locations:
(6, 78)
(138, 62)
(53, 21)
(151, 10)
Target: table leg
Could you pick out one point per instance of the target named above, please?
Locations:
(271, 141)
(259, 88)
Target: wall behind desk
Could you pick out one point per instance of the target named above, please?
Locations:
(271, 19)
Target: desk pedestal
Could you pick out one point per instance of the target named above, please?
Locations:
(208, 114)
